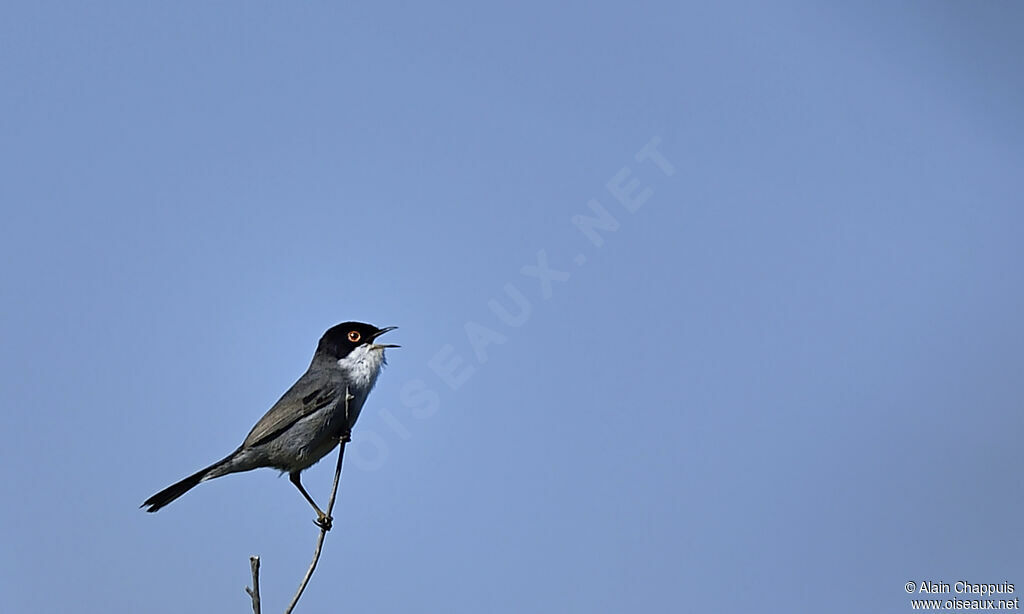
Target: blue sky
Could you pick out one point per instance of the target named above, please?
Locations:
(790, 380)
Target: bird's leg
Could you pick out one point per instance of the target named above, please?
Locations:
(322, 520)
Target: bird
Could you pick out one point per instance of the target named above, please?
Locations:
(312, 417)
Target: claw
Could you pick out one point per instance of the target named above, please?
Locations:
(324, 521)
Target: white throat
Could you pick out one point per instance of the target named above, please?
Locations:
(361, 367)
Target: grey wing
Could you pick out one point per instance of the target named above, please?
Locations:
(304, 398)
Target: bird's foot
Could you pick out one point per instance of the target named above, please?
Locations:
(323, 521)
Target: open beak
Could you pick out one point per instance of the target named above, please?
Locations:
(381, 332)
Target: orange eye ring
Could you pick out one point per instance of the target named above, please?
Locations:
(354, 336)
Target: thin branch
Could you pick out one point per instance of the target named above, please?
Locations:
(254, 592)
(345, 438)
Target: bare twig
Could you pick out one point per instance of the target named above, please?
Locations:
(345, 438)
(254, 592)
(254, 561)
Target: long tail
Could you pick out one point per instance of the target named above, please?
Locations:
(177, 489)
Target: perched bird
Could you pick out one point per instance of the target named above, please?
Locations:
(310, 419)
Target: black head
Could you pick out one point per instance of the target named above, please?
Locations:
(339, 340)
